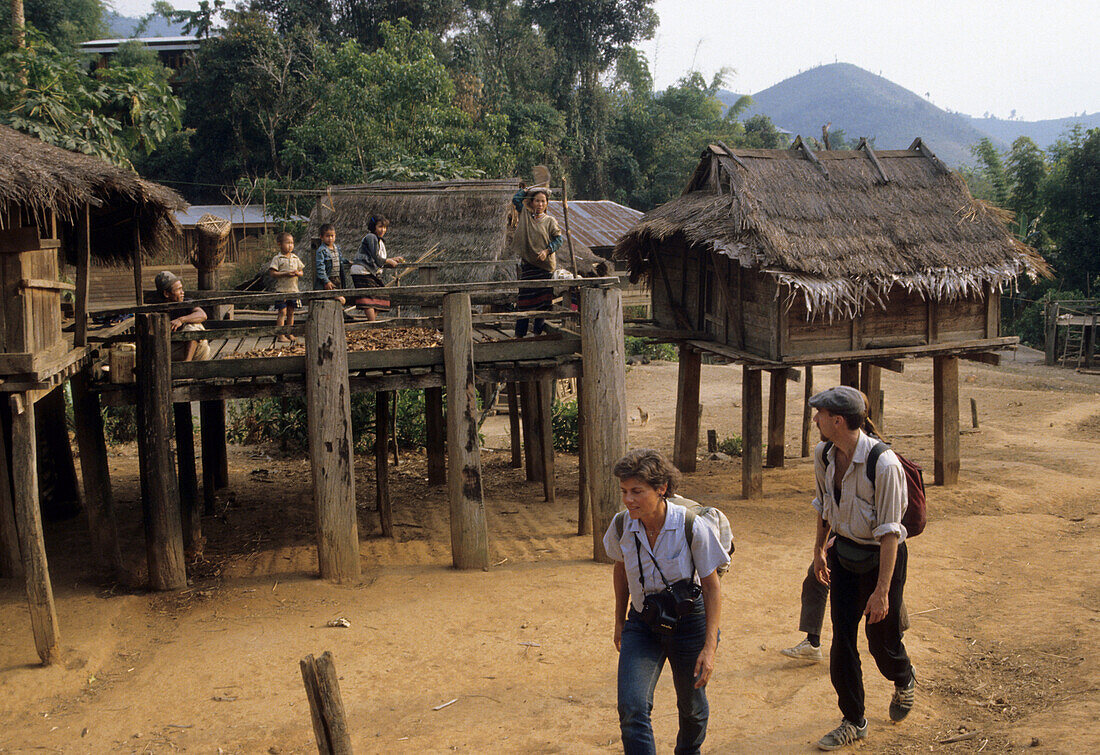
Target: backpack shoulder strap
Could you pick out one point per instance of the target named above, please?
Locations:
(689, 526)
(619, 523)
(872, 459)
(825, 452)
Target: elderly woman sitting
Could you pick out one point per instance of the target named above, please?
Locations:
(186, 317)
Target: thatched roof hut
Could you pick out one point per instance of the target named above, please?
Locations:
(838, 229)
(39, 179)
(468, 220)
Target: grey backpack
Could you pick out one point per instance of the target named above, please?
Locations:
(712, 516)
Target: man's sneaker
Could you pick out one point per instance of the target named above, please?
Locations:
(902, 701)
(803, 651)
(843, 735)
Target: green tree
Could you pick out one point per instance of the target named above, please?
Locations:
(115, 114)
(1026, 169)
(1072, 214)
(377, 108)
(66, 23)
(586, 37)
(991, 171)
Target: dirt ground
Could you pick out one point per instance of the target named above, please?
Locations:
(1003, 591)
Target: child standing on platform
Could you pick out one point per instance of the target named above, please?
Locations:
(328, 264)
(286, 268)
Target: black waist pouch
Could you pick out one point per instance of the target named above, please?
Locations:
(856, 557)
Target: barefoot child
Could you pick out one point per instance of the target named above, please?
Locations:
(286, 269)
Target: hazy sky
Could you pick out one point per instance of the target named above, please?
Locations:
(1039, 57)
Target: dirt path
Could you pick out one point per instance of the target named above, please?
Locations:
(1003, 590)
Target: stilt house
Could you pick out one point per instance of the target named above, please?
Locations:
(782, 257)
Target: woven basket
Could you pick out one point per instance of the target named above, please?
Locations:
(212, 233)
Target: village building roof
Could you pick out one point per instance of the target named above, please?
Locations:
(467, 220)
(240, 216)
(596, 223)
(42, 178)
(839, 228)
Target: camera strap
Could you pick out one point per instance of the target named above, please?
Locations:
(641, 574)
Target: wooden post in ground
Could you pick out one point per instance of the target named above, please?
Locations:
(849, 374)
(381, 462)
(190, 513)
(83, 231)
(326, 706)
(1090, 344)
(136, 251)
(328, 408)
(469, 538)
(1050, 332)
(516, 442)
(28, 521)
(437, 434)
(752, 432)
(584, 498)
(64, 500)
(777, 417)
(870, 382)
(685, 442)
(532, 438)
(945, 411)
(604, 394)
(807, 414)
(215, 458)
(11, 563)
(160, 493)
(99, 500)
(545, 394)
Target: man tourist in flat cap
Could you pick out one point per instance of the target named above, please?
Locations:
(865, 566)
(186, 317)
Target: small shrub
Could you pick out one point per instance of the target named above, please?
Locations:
(641, 347)
(119, 424)
(731, 446)
(565, 426)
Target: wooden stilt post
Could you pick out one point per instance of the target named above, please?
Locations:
(326, 706)
(99, 501)
(138, 291)
(532, 438)
(469, 538)
(215, 458)
(752, 440)
(63, 500)
(686, 436)
(83, 264)
(437, 434)
(328, 408)
(604, 394)
(190, 514)
(11, 563)
(545, 393)
(945, 389)
(381, 462)
(584, 498)
(849, 374)
(777, 417)
(513, 426)
(870, 382)
(807, 414)
(160, 493)
(29, 524)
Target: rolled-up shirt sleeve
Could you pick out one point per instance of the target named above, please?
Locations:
(611, 543)
(891, 497)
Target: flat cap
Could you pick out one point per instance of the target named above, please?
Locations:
(164, 280)
(842, 399)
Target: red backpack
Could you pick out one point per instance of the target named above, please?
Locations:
(916, 513)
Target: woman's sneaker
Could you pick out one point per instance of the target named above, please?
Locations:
(843, 735)
(803, 651)
(902, 701)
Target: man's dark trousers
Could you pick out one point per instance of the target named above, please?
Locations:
(850, 593)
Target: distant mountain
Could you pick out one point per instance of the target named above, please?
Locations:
(1043, 133)
(863, 104)
(122, 27)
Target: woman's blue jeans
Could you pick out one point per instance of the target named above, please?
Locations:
(642, 656)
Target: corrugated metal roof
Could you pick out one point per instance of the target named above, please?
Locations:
(596, 223)
(238, 215)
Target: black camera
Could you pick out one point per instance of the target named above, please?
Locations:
(662, 610)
